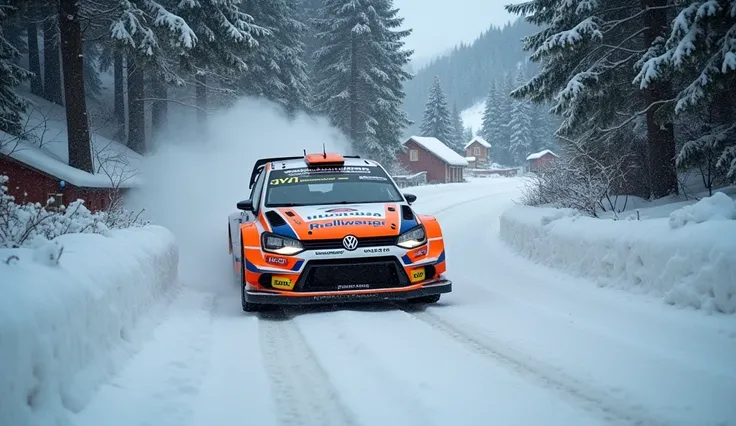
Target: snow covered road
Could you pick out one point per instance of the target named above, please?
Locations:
(514, 344)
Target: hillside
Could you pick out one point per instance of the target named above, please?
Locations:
(467, 71)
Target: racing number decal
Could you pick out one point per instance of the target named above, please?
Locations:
(281, 181)
(417, 275)
(282, 283)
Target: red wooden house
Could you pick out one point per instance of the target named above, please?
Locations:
(541, 159)
(37, 174)
(479, 149)
(426, 154)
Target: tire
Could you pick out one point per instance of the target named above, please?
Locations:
(426, 299)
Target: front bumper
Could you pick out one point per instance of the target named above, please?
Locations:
(429, 288)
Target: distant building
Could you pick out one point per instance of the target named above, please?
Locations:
(426, 154)
(479, 149)
(541, 159)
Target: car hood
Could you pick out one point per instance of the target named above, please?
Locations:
(337, 221)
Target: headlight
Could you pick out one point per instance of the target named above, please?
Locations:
(280, 245)
(412, 238)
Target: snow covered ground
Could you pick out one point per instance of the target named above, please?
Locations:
(515, 343)
(72, 312)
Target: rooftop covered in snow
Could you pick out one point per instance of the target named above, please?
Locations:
(480, 140)
(540, 154)
(439, 149)
(45, 149)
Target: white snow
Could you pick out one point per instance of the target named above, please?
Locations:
(478, 139)
(539, 154)
(693, 265)
(442, 151)
(47, 150)
(473, 116)
(68, 318)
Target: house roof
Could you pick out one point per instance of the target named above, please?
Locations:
(480, 140)
(439, 149)
(46, 150)
(540, 154)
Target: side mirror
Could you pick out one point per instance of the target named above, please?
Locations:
(410, 198)
(245, 205)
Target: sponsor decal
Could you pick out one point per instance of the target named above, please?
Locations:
(329, 252)
(377, 250)
(355, 213)
(353, 286)
(372, 178)
(282, 283)
(420, 252)
(346, 169)
(282, 181)
(297, 179)
(340, 223)
(341, 210)
(276, 260)
(417, 275)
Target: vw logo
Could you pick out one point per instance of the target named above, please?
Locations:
(350, 242)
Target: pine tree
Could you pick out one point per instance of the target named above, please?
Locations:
(495, 122)
(11, 75)
(359, 73)
(700, 52)
(468, 134)
(458, 140)
(520, 126)
(226, 36)
(437, 121)
(277, 70)
(77, 124)
(589, 53)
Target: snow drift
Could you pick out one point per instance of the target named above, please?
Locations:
(65, 314)
(688, 259)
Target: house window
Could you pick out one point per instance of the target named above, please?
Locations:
(476, 150)
(413, 155)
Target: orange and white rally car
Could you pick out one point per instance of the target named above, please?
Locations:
(326, 228)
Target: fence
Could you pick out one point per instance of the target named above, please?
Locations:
(405, 181)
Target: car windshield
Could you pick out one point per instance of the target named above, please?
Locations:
(341, 185)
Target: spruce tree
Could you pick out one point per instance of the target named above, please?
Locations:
(11, 75)
(458, 140)
(277, 69)
(437, 121)
(359, 73)
(520, 128)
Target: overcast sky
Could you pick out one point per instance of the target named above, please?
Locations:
(441, 24)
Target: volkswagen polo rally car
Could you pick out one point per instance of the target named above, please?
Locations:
(326, 228)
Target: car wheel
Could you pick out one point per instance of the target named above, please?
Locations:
(426, 299)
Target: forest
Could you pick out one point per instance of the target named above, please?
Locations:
(630, 92)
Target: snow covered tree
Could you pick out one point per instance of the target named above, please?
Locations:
(225, 37)
(458, 141)
(496, 117)
(520, 125)
(278, 70)
(11, 75)
(359, 75)
(437, 121)
(589, 52)
(700, 50)
(468, 134)
(77, 124)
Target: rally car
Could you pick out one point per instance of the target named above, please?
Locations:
(327, 228)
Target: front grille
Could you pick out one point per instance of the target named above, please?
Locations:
(337, 243)
(352, 274)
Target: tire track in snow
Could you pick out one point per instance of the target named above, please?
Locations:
(393, 391)
(579, 392)
(300, 387)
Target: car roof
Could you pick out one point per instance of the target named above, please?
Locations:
(298, 163)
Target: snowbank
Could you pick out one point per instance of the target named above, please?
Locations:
(63, 313)
(688, 259)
